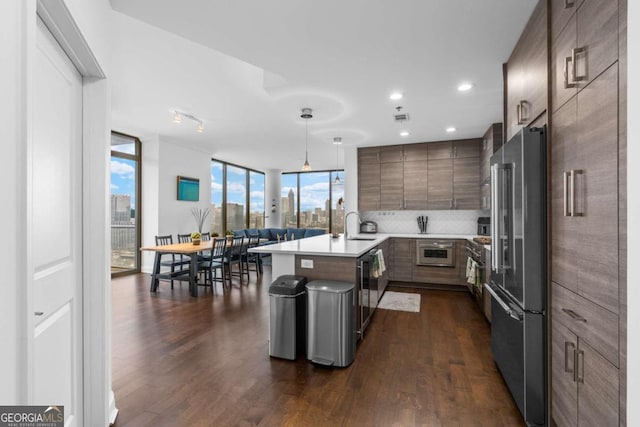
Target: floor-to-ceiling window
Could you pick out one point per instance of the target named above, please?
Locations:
(289, 200)
(217, 190)
(256, 199)
(237, 197)
(125, 204)
(337, 199)
(236, 187)
(310, 200)
(315, 204)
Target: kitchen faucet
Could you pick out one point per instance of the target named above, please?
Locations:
(346, 217)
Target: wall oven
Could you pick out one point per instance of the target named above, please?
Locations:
(436, 253)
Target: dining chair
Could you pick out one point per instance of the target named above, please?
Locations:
(249, 258)
(175, 261)
(234, 257)
(184, 238)
(215, 262)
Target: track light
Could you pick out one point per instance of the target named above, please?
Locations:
(178, 115)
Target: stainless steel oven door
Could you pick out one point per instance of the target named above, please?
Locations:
(441, 253)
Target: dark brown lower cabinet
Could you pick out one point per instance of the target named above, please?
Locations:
(402, 259)
(585, 386)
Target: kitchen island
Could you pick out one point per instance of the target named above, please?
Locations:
(284, 254)
(351, 260)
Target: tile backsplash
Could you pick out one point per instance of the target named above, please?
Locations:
(440, 222)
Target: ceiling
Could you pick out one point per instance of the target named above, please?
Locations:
(247, 68)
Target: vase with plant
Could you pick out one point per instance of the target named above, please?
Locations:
(195, 238)
(200, 215)
(229, 235)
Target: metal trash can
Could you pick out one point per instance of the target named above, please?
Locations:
(287, 317)
(331, 331)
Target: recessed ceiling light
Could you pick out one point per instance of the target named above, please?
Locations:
(465, 87)
(451, 129)
(395, 96)
(404, 133)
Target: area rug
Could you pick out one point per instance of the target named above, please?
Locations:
(400, 301)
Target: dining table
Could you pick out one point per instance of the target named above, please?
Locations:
(191, 274)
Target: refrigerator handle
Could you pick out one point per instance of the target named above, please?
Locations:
(495, 173)
(500, 230)
(509, 263)
(512, 313)
(565, 193)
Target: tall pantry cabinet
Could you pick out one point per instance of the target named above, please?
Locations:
(587, 149)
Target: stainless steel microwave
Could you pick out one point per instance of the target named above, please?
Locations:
(436, 253)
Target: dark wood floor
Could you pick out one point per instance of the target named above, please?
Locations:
(182, 361)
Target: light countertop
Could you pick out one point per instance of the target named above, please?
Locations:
(325, 245)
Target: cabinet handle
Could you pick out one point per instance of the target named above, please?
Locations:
(455, 151)
(520, 112)
(574, 172)
(565, 178)
(38, 313)
(579, 375)
(568, 4)
(450, 203)
(574, 66)
(574, 315)
(567, 83)
(569, 345)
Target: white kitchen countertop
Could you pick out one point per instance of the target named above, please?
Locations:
(325, 245)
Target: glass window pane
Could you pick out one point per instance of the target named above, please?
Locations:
(315, 206)
(123, 144)
(124, 219)
(337, 195)
(236, 197)
(256, 200)
(216, 198)
(288, 202)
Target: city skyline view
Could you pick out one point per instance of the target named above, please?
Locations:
(123, 178)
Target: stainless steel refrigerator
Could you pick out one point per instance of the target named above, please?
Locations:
(518, 270)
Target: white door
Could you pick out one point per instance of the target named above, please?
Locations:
(55, 229)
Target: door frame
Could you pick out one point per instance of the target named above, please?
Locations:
(98, 399)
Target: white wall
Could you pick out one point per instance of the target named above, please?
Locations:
(17, 32)
(351, 187)
(162, 213)
(633, 213)
(13, 75)
(150, 189)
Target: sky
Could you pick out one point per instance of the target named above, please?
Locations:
(237, 186)
(123, 178)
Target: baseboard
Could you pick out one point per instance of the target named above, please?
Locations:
(432, 286)
(113, 411)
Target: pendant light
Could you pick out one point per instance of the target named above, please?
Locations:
(306, 115)
(337, 141)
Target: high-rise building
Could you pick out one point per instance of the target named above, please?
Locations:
(216, 219)
(120, 209)
(292, 200)
(235, 216)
